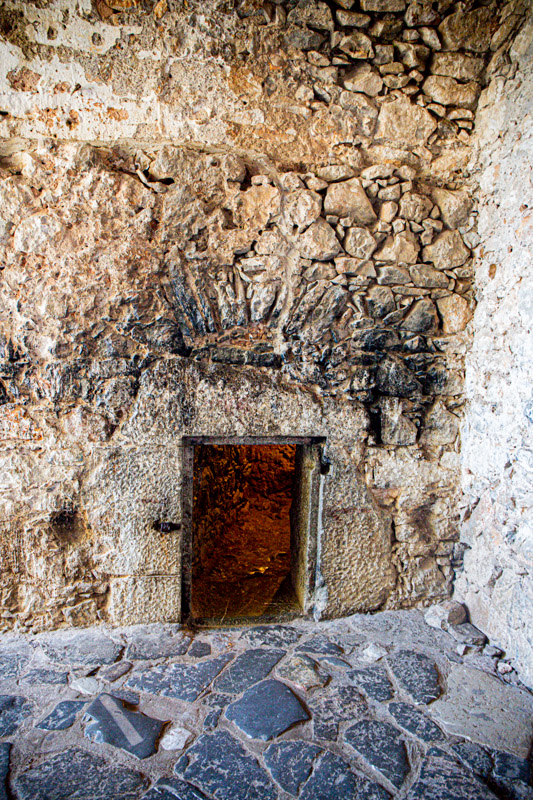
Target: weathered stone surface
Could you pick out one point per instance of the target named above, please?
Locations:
(13, 659)
(473, 708)
(302, 207)
(43, 675)
(450, 612)
(427, 277)
(405, 123)
(359, 243)
(199, 649)
(402, 248)
(449, 92)
(362, 78)
(332, 779)
(422, 317)
(271, 635)
(348, 198)
(474, 757)
(5, 749)
(183, 681)
(381, 745)
(63, 716)
(266, 710)
(113, 723)
(455, 206)
(374, 681)
(13, 711)
(247, 669)
(380, 301)
(319, 242)
(175, 738)
(220, 765)
(415, 723)
(328, 710)
(470, 30)
(415, 207)
(80, 647)
(320, 644)
(173, 789)
(146, 644)
(447, 251)
(458, 65)
(454, 312)
(303, 671)
(415, 674)
(441, 778)
(291, 763)
(357, 45)
(383, 5)
(76, 774)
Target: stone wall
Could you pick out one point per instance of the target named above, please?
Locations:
(233, 219)
(497, 449)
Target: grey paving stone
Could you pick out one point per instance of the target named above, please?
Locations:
(266, 710)
(79, 647)
(13, 711)
(154, 644)
(334, 661)
(76, 775)
(511, 767)
(416, 674)
(291, 763)
(219, 765)
(248, 668)
(442, 778)
(42, 675)
(335, 704)
(5, 748)
(183, 681)
(14, 657)
(63, 716)
(381, 746)
(112, 672)
(271, 636)
(127, 695)
(416, 723)
(374, 681)
(173, 789)
(333, 779)
(320, 644)
(475, 757)
(199, 650)
(113, 723)
(211, 720)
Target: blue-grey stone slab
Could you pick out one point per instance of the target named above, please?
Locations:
(14, 657)
(173, 789)
(271, 635)
(87, 647)
(76, 775)
(112, 672)
(199, 650)
(374, 681)
(113, 723)
(442, 778)
(183, 681)
(291, 763)
(335, 661)
(475, 757)
(127, 695)
(416, 723)
(381, 746)
(13, 711)
(211, 720)
(5, 748)
(156, 644)
(336, 704)
(63, 715)
(416, 674)
(248, 668)
(333, 779)
(42, 675)
(219, 765)
(320, 644)
(266, 710)
(511, 767)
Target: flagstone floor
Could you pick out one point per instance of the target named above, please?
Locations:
(370, 707)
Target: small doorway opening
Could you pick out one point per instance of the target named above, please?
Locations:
(253, 510)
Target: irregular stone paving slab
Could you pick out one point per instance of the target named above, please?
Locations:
(303, 671)
(335, 705)
(511, 767)
(271, 636)
(479, 707)
(183, 681)
(14, 657)
(266, 710)
(248, 668)
(113, 723)
(150, 644)
(5, 748)
(333, 779)
(128, 696)
(199, 650)
(416, 674)
(79, 647)
(173, 789)
(320, 644)
(334, 661)
(381, 746)
(13, 711)
(43, 675)
(76, 775)
(63, 716)
(113, 672)
(219, 765)
(374, 681)
(442, 778)
(415, 722)
(291, 763)
(475, 757)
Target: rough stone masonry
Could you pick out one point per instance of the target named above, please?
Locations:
(234, 218)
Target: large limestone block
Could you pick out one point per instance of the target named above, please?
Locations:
(348, 198)
(404, 123)
(449, 92)
(447, 251)
(455, 206)
(454, 312)
(469, 31)
(134, 601)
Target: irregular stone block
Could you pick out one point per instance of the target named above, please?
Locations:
(146, 644)
(336, 705)
(63, 716)
(447, 251)
(79, 647)
(183, 681)
(176, 738)
(173, 789)
(441, 778)
(455, 206)
(319, 242)
(470, 31)
(416, 674)
(320, 644)
(13, 659)
(349, 199)
(271, 635)
(266, 710)
(221, 766)
(199, 650)
(41, 675)
(248, 668)
(332, 779)
(475, 757)
(113, 723)
(380, 744)
(302, 671)
(374, 681)
(291, 763)
(404, 123)
(13, 711)
(80, 775)
(416, 723)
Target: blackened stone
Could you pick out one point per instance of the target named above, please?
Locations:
(248, 668)
(416, 674)
(13, 659)
(114, 724)
(173, 789)
(63, 716)
(511, 767)
(220, 765)
(45, 676)
(319, 644)
(154, 644)
(199, 649)
(416, 723)
(266, 710)
(475, 757)
(374, 681)
(79, 647)
(183, 681)
(381, 746)
(5, 748)
(336, 705)
(13, 711)
(76, 775)
(271, 635)
(211, 720)
(395, 379)
(291, 763)
(442, 778)
(333, 779)
(513, 790)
